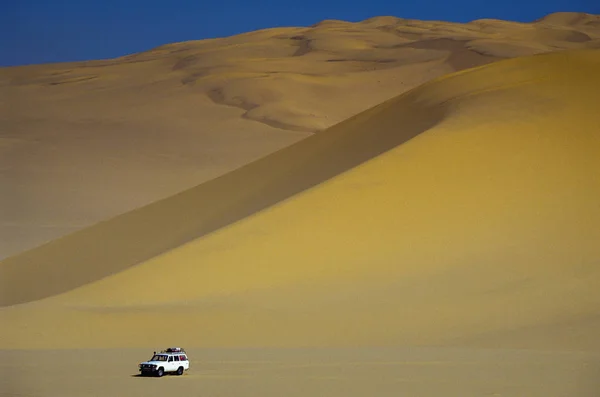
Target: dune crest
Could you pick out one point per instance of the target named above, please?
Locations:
(484, 223)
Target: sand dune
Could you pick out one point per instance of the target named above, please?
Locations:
(459, 213)
(185, 113)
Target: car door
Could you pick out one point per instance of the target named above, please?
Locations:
(170, 367)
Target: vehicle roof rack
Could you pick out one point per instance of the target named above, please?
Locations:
(173, 350)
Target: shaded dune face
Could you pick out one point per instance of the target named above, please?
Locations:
(116, 244)
(461, 212)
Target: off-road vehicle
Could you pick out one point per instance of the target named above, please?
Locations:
(172, 360)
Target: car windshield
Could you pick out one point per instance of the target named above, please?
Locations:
(159, 357)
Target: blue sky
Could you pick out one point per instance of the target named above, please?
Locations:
(42, 31)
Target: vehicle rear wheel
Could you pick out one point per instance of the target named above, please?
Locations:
(180, 371)
(160, 372)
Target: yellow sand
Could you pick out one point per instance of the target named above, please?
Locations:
(467, 214)
(82, 142)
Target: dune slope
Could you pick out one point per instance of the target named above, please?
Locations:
(184, 113)
(484, 224)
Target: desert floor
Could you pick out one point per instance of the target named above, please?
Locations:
(347, 372)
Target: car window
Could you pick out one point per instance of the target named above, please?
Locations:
(170, 359)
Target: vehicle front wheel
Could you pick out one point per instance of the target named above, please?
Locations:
(160, 372)
(180, 371)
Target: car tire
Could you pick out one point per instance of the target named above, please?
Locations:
(180, 371)
(160, 372)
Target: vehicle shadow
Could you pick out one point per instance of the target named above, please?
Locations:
(145, 376)
(153, 376)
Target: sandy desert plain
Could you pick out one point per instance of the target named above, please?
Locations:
(390, 207)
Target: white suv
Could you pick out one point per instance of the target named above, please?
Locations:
(172, 360)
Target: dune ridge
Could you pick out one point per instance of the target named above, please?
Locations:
(467, 207)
